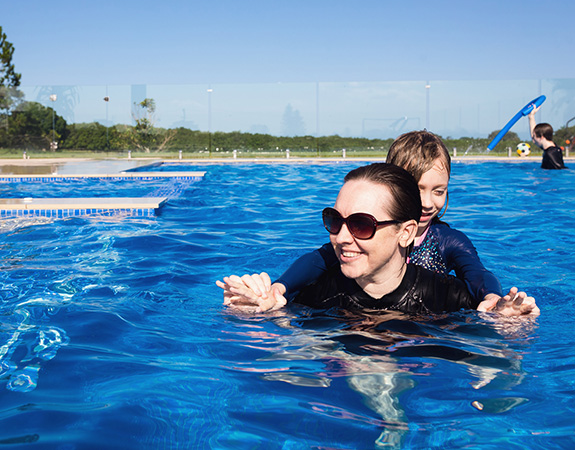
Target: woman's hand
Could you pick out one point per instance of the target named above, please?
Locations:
(515, 303)
(252, 293)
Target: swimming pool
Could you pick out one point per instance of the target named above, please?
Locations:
(113, 334)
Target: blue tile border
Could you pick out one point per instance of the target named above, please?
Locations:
(74, 212)
(51, 179)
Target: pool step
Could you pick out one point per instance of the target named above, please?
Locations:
(194, 176)
(71, 207)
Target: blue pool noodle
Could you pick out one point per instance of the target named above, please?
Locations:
(523, 112)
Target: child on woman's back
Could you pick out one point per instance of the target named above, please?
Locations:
(437, 246)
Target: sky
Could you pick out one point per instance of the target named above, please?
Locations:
(176, 42)
(179, 42)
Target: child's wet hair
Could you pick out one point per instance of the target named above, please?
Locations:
(417, 152)
(543, 130)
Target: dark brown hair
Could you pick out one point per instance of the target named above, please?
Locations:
(543, 129)
(406, 204)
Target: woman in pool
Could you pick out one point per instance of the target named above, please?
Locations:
(437, 247)
(372, 228)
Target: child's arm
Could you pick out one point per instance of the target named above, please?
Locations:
(532, 122)
(306, 269)
(461, 255)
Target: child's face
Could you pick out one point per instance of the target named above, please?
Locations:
(433, 190)
(537, 140)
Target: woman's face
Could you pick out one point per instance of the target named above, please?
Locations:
(433, 190)
(366, 260)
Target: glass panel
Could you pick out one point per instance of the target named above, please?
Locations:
(381, 110)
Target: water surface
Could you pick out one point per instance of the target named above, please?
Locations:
(114, 336)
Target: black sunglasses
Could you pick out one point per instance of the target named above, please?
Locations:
(360, 225)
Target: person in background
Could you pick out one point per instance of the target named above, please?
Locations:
(542, 136)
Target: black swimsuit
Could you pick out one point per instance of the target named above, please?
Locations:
(552, 158)
(420, 291)
(444, 249)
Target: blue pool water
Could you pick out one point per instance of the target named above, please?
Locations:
(113, 334)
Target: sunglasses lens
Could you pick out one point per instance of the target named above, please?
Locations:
(362, 227)
(332, 220)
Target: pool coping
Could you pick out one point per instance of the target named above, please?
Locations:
(42, 161)
(30, 203)
(73, 207)
(81, 206)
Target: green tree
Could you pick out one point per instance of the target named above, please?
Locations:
(121, 137)
(562, 135)
(86, 136)
(509, 136)
(259, 141)
(511, 139)
(32, 126)
(9, 79)
(188, 140)
(145, 135)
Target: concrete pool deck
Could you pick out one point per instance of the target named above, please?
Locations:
(316, 160)
(117, 165)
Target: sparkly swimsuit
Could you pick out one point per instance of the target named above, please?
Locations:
(427, 254)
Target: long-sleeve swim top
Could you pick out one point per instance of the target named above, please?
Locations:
(443, 250)
(421, 291)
